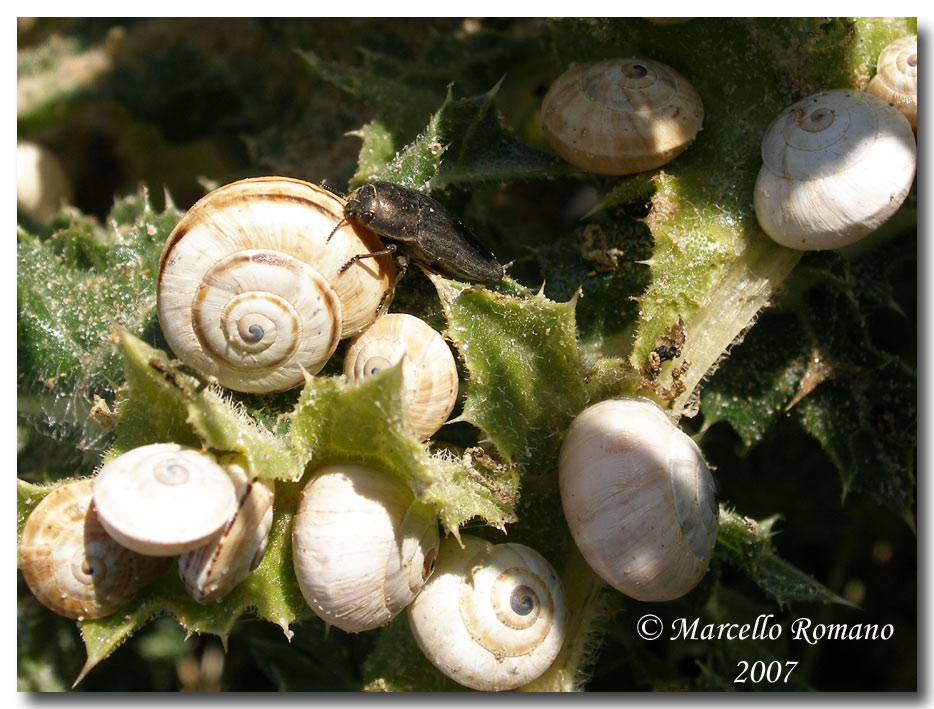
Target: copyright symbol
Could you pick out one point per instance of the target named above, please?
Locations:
(649, 627)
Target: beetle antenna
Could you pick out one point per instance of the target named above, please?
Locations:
(336, 227)
(333, 191)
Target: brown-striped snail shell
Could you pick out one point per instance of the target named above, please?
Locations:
(250, 286)
(638, 498)
(429, 372)
(896, 79)
(620, 116)
(362, 546)
(493, 615)
(836, 166)
(162, 499)
(72, 565)
(213, 570)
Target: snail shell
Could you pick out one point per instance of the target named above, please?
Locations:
(250, 289)
(493, 615)
(163, 499)
(836, 166)
(896, 79)
(215, 569)
(620, 116)
(362, 546)
(72, 565)
(638, 499)
(429, 372)
(42, 185)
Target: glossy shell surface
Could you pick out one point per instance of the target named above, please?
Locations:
(429, 372)
(492, 617)
(362, 547)
(250, 289)
(836, 166)
(638, 498)
(163, 499)
(621, 116)
(72, 565)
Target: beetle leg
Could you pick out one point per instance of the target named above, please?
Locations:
(387, 251)
(403, 265)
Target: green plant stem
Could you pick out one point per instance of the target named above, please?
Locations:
(729, 310)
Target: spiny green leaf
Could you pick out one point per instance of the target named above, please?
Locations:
(377, 150)
(340, 422)
(162, 403)
(746, 544)
(73, 291)
(337, 422)
(480, 148)
(417, 164)
(526, 377)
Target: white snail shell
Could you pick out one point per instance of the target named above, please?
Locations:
(250, 289)
(621, 116)
(429, 372)
(896, 79)
(362, 546)
(163, 499)
(213, 570)
(638, 499)
(836, 166)
(42, 186)
(72, 565)
(492, 617)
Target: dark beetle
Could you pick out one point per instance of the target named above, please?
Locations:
(421, 229)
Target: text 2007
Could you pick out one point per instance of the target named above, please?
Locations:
(759, 671)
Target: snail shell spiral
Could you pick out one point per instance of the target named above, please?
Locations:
(621, 116)
(250, 289)
(638, 498)
(429, 372)
(163, 499)
(896, 79)
(493, 615)
(362, 546)
(836, 166)
(72, 565)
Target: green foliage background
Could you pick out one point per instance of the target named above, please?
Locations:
(800, 385)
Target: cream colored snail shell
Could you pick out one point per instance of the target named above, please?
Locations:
(362, 546)
(250, 289)
(492, 617)
(836, 166)
(72, 565)
(638, 498)
(429, 372)
(896, 79)
(42, 185)
(163, 499)
(210, 572)
(621, 116)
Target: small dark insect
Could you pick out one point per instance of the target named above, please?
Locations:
(418, 227)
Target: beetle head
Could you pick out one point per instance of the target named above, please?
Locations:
(361, 204)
